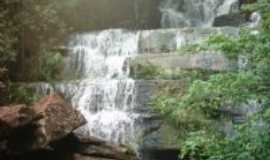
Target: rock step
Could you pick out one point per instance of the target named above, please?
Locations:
(147, 66)
(169, 40)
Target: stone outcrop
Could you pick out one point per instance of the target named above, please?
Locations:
(60, 119)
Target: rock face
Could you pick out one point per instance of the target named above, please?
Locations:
(175, 61)
(235, 19)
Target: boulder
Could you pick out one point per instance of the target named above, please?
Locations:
(60, 119)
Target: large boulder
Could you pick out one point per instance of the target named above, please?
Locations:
(60, 119)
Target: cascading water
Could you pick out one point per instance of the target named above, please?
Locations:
(105, 94)
(186, 13)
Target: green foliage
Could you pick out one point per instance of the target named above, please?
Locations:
(229, 89)
(145, 71)
(263, 7)
(201, 104)
(29, 29)
(22, 95)
(51, 65)
(197, 145)
(8, 30)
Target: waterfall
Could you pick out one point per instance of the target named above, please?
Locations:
(104, 93)
(183, 13)
(96, 70)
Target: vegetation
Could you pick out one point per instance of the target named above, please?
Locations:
(22, 95)
(28, 32)
(210, 101)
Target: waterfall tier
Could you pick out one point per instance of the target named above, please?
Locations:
(183, 13)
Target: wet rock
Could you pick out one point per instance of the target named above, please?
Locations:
(94, 147)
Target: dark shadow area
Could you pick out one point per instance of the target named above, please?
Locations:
(160, 154)
(60, 150)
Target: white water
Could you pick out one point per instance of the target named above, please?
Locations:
(184, 13)
(105, 94)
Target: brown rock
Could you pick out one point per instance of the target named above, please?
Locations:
(13, 117)
(60, 119)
